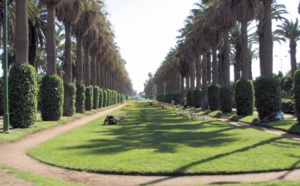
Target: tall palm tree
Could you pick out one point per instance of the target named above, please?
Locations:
(50, 35)
(22, 42)
(69, 12)
(290, 30)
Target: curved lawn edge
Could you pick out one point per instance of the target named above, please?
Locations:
(185, 166)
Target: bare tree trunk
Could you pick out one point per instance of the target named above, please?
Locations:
(198, 72)
(204, 83)
(215, 66)
(68, 61)
(208, 58)
(79, 63)
(87, 66)
(266, 41)
(21, 43)
(244, 50)
(50, 37)
(226, 62)
(93, 68)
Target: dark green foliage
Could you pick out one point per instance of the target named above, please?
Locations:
(244, 97)
(89, 91)
(288, 106)
(197, 98)
(226, 99)
(22, 84)
(267, 96)
(52, 98)
(296, 88)
(96, 97)
(161, 98)
(70, 99)
(80, 98)
(213, 92)
(287, 83)
(190, 98)
(101, 98)
(105, 98)
(1, 97)
(124, 97)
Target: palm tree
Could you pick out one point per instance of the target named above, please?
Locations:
(21, 43)
(290, 30)
(50, 35)
(69, 12)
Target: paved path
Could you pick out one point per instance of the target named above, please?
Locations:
(14, 155)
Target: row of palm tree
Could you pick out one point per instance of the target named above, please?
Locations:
(216, 36)
(72, 39)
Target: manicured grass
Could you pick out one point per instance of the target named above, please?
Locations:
(272, 183)
(287, 124)
(34, 179)
(154, 141)
(17, 133)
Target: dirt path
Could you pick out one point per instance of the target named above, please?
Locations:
(14, 155)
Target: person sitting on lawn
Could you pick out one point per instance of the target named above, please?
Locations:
(110, 120)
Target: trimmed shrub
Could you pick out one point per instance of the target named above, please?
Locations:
(190, 98)
(80, 98)
(213, 93)
(105, 98)
(296, 88)
(244, 97)
(267, 96)
(89, 91)
(197, 98)
(101, 97)
(96, 97)
(70, 99)
(52, 98)
(226, 99)
(288, 106)
(22, 95)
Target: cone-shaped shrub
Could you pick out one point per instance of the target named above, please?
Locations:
(89, 91)
(52, 98)
(101, 98)
(267, 96)
(105, 98)
(190, 98)
(70, 99)
(296, 88)
(96, 97)
(80, 98)
(22, 95)
(226, 99)
(244, 97)
(197, 98)
(213, 92)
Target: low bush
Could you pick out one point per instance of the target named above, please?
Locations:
(288, 106)
(226, 100)
(267, 96)
(52, 98)
(96, 97)
(296, 88)
(244, 97)
(22, 95)
(80, 98)
(197, 98)
(213, 92)
(70, 99)
(190, 98)
(89, 91)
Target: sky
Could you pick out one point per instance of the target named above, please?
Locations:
(146, 31)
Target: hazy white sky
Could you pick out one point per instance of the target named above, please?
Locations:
(146, 30)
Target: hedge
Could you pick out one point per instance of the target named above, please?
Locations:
(80, 98)
(296, 88)
(190, 98)
(244, 97)
(101, 98)
(52, 98)
(96, 97)
(226, 99)
(23, 92)
(89, 91)
(213, 92)
(70, 99)
(267, 96)
(197, 98)
(288, 106)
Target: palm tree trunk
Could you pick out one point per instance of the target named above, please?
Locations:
(215, 65)
(21, 43)
(226, 61)
(87, 66)
(79, 63)
(266, 41)
(237, 63)
(208, 64)
(244, 50)
(192, 75)
(293, 50)
(50, 37)
(93, 68)
(198, 72)
(68, 62)
(204, 83)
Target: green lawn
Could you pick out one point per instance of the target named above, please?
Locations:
(34, 179)
(154, 141)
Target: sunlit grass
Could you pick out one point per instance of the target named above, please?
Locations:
(155, 141)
